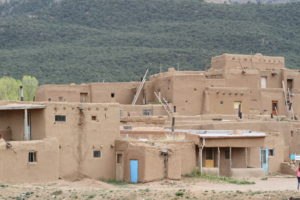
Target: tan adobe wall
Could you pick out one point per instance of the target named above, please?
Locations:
(138, 110)
(247, 61)
(222, 100)
(123, 92)
(88, 127)
(15, 168)
(62, 93)
(181, 159)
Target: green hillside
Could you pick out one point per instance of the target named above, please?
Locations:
(116, 40)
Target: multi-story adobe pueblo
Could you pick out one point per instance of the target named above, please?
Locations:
(239, 118)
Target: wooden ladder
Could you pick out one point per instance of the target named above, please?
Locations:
(137, 94)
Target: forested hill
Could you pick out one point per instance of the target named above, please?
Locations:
(116, 40)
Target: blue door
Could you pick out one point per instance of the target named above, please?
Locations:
(134, 171)
(264, 159)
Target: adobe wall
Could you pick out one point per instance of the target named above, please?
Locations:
(145, 155)
(138, 110)
(239, 158)
(14, 165)
(61, 93)
(81, 134)
(235, 142)
(188, 94)
(238, 61)
(13, 120)
(151, 167)
(121, 92)
(221, 100)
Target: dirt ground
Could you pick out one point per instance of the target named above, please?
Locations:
(188, 188)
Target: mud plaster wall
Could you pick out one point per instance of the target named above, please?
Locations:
(80, 135)
(132, 152)
(239, 158)
(138, 110)
(13, 119)
(123, 92)
(188, 94)
(221, 100)
(67, 93)
(96, 92)
(14, 165)
(181, 159)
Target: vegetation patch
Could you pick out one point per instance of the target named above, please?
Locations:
(197, 174)
(57, 192)
(114, 182)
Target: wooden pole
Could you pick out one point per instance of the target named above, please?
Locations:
(219, 161)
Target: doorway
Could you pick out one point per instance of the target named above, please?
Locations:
(274, 107)
(264, 159)
(237, 106)
(289, 84)
(134, 171)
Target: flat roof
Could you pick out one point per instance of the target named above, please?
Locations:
(222, 133)
(22, 106)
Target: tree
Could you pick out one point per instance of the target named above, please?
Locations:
(30, 85)
(9, 88)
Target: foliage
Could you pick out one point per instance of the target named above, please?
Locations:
(114, 182)
(30, 85)
(88, 41)
(10, 88)
(180, 192)
(197, 174)
(57, 192)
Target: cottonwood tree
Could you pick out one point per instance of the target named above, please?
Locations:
(30, 84)
(9, 88)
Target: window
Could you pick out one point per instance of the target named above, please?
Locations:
(83, 97)
(60, 118)
(97, 153)
(60, 99)
(119, 158)
(112, 95)
(274, 107)
(147, 112)
(94, 117)
(209, 154)
(32, 156)
(289, 84)
(263, 82)
(227, 154)
(271, 152)
(49, 99)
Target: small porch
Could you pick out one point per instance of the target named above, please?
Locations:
(228, 153)
(19, 122)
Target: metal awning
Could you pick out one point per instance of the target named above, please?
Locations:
(22, 106)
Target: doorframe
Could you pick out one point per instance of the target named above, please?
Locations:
(266, 170)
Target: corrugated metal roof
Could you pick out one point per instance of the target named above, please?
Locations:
(222, 133)
(21, 106)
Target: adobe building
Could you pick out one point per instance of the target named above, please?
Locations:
(239, 118)
(252, 92)
(247, 84)
(47, 141)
